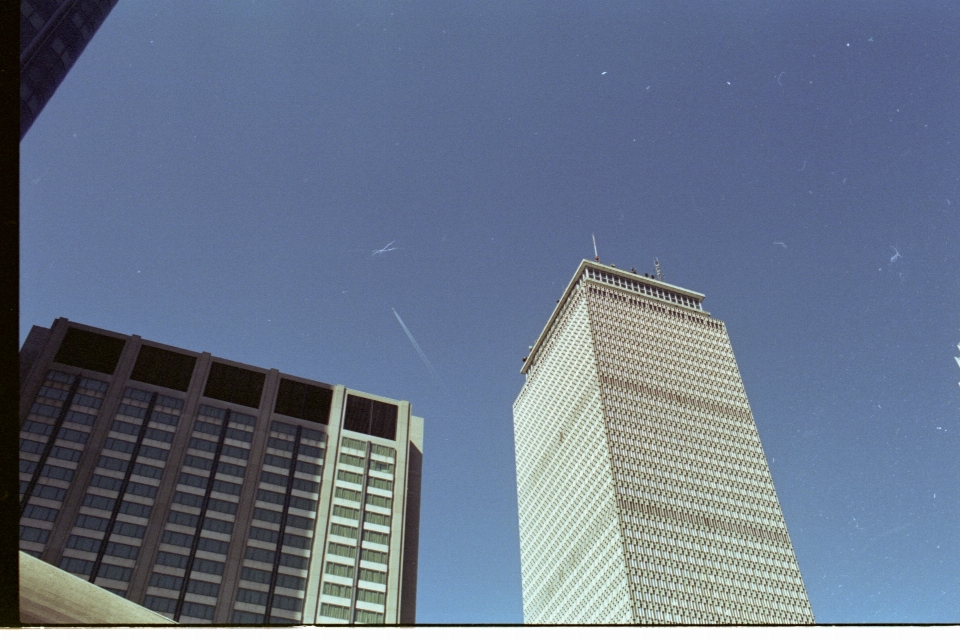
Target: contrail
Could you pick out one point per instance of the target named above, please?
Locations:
(413, 342)
(596, 254)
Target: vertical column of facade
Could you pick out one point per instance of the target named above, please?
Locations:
(364, 531)
(699, 514)
(570, 544)
(273, 577)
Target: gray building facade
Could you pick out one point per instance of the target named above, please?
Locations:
(216, 492)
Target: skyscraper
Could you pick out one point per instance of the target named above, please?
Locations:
(644, 495)
(53, 34)
(211, 491)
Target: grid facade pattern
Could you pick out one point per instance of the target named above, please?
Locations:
(702, 536)
(570, 541)
(209, 511)
(355, 564)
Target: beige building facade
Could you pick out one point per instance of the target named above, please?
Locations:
(644, 495)
(216, 492)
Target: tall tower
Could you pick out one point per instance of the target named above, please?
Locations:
(216, 492)
(644, 494)
(53, 34)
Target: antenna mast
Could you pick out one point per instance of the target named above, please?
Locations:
(656, 265)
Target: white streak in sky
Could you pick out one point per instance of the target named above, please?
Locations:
(413, 342)
(779, 243)
(897, 255)
(380, 251)
(595, 253)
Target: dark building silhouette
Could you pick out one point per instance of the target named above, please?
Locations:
(53, 34)
(216, 492)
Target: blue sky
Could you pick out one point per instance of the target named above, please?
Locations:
(216, 176)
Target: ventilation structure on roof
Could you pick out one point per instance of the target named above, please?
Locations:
(368, 416)
(164, 368)
(303, 401)
(90, 350)
(234, 385)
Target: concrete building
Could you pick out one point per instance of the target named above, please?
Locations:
(644, 494)
(53, 34)
(216, 492)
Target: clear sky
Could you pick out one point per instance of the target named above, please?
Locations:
(217, 175)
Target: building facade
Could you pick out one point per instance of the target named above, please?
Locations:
(53, 34)
(644, 495)
(216, 492)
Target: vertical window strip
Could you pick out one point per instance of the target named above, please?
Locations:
(283, 526)
(203, 512)
(123, 488)
(363, 513)
(67, 402)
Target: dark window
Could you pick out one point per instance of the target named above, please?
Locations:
(269, 497)
(234, 385)
(148, 471)
(34, 427)
(33, 534)
(230, 469)
(267, 515)
(164, 368)
(203, 445)
(294, 561)
(31, 447)
(129, 529)
(305, 486)
(368, 416)
(166, 581)
(72, 435)
(207, 567)
(182, 518)
(172, 560)
(119, 446)
(235, 452)
(135, 509)
(99, 502)
(87, 401)
(247, 618)
(177, 538)
(192, 480)
(226, 507)
(278, 461)
(58, 473)
(114, 572)
(303, 504)
(257, 576)
(260, 534)
(137, 394)
(313, 435)
(205, 427)
(115, 464)
(298, 521)
(142, 489)
(273, 479)
(308, 468)
(252, 596)
(146, 451)
(131, 410)
(125, 428)
(217, 525)
(183, 498)
(373, 576)
(287, 603)
(259, 554)
(122, 551)
(77, 566)
(198, 462)
(159, 604)
(84, 543)
(203, 588)
(162, 436)
(212, 545)
(226, 488)
(292, 582)
(91, 522)
(166, 419)
(80, 418)
(303, 401)
(280, 444)
(239, 435)
(88, 350)
(65, 453)
(45, 410)
(105, 482)
(295, 541)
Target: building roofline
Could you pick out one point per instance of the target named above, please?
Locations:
(614, 271)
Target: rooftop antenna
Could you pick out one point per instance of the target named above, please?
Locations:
(596, 254)
(656, 265)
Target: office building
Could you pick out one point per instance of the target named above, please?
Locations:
(53, 34)
(216, 492)
(644, 494)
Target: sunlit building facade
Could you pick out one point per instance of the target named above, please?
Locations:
(644, 494)
(216, 492)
